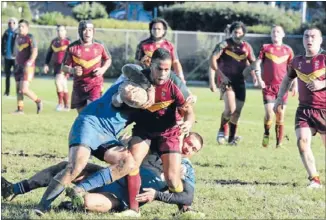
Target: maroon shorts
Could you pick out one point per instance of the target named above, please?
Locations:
(311, 118)
(80, 95)
(161, 142)
(270, 94)
(24, 73)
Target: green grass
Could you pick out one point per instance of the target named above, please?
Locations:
(243, 182)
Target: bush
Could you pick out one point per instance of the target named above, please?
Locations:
(259, 29)
(55, 18)
(86, 11)
(117, 24)
(12, 11)
(214, 16)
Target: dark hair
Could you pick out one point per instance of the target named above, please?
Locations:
(161, 54)
(61, 25)
(238, 24)
(23, 21)
(277, 25)
(314, 28)
(158, 20)
(198, 137)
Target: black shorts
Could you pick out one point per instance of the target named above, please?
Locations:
(238, 88)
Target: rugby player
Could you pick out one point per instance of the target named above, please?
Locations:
(275, 58)
(310, 118)
(26, 53)
(229, 59)
(87, 60)
(57, 51)
(145, 49)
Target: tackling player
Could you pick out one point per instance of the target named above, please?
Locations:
(229, 59)
(26, 53)
(86, 59)
(58, 48)
(275, 58)
(145, 49)
(310, 118)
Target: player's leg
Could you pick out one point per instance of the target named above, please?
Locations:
(78, 158)
(304, 135)
(279, 126)
(66, 93)
(229, 108)
(8, 64)
(268, 121)
(59, 78)
(19, 74)
(28, 76)
(240, 97)
(100, 202)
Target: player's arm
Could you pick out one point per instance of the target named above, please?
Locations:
(217, 53)
(106, 57)
(48, 59)
(34, 52)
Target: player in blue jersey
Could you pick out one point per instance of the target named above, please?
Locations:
(97, 124)
(115, 195)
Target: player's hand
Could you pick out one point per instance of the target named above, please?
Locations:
(185, 126)
(99, 71)
(78, 70)
(46, 69)
(279, 104)
(225, 80)
(192, 99)
(261, 83)
(29, 63)
(212, 86)
(147, 196)
(151, 98)
(316, 85)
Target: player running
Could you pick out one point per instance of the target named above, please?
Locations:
(87, 60)
(275, 58)
(26, 53)
(57, 51)
(145, 49)
(229, 59)
(310, 118)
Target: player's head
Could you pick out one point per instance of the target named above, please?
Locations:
(277, 34)
(192, 144)
(238, 30)
(132, 94)
(312, 40)
(12, 23)
(86, 31)
(158, 28)
(23, 26)
(160, 66)
(61, 31)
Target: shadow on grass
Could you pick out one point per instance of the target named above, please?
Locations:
(240, 182)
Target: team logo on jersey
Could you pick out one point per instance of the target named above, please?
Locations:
(299, 65)
(95, 51)
(87, 49)
(272, 50)
(317, 64)
(78, 53)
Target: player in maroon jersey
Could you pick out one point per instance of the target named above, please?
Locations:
(229, 59)
(310, 118)
(275, 58)
(57, 51)
(87, 59)
(26, 53)
(145, 49)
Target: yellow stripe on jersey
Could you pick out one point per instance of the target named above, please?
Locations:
(57, 49)
(149, 53)
(23, 46)
(277, 59)
(87, 63)
(236, 56)
(160, 105)
(307, 78)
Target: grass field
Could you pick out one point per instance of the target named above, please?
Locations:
(243, 182)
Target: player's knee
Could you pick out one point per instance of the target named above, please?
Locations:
(24, 90)
(302, 144)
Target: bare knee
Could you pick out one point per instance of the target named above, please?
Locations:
(24, 90)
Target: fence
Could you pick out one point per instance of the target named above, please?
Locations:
(194, 48)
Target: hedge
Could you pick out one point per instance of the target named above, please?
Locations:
(87, 11)
(12, 11)
(214, 16)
